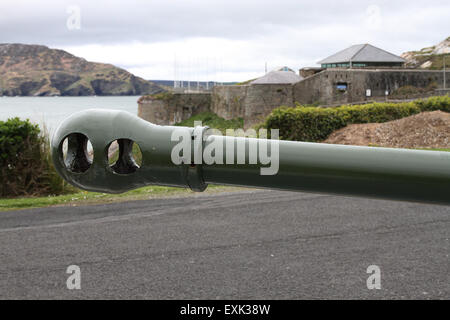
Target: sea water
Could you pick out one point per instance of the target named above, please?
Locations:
(50, 111)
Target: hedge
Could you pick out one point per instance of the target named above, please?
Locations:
(315, 124)
(25, 162)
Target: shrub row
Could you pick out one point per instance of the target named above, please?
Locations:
(25, 161)
(315, 124)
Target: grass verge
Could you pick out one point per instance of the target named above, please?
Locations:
(90, 198)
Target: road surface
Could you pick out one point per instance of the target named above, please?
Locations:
(242, 245)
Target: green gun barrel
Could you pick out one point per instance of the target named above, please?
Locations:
(397, 174)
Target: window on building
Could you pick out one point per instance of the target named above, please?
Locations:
(341, 86)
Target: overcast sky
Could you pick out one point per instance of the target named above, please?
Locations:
(220, 40)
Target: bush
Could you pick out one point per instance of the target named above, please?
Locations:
(26, 166)
(165, 96)
(411, 91)
(315, 124)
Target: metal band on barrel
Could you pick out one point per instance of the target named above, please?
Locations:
(194, 172)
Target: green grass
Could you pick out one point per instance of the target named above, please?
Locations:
(89, 198)
(137, 155)
(165, 96)
(212, 120)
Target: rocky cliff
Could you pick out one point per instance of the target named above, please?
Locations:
(429, 58)
(34, 70)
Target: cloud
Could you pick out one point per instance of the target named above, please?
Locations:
(226, 39)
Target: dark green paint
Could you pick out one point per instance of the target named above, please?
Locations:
(397, 174)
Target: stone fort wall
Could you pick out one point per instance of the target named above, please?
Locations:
(173, 108)
(251, 102)
(254, 102)
(322, 88)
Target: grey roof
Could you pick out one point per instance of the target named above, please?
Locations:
(278, 77)
(362, 53)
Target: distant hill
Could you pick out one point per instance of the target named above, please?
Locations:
(429, 58)
(35, 70)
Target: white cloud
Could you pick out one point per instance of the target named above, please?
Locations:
(222, 40)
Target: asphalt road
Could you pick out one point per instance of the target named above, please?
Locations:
(246, 245)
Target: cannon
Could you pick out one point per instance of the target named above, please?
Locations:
(211, 158)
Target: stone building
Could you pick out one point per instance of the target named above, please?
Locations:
(252, 102)
(335, 86)
(282, 76)
(362, 56)
(358, 74)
